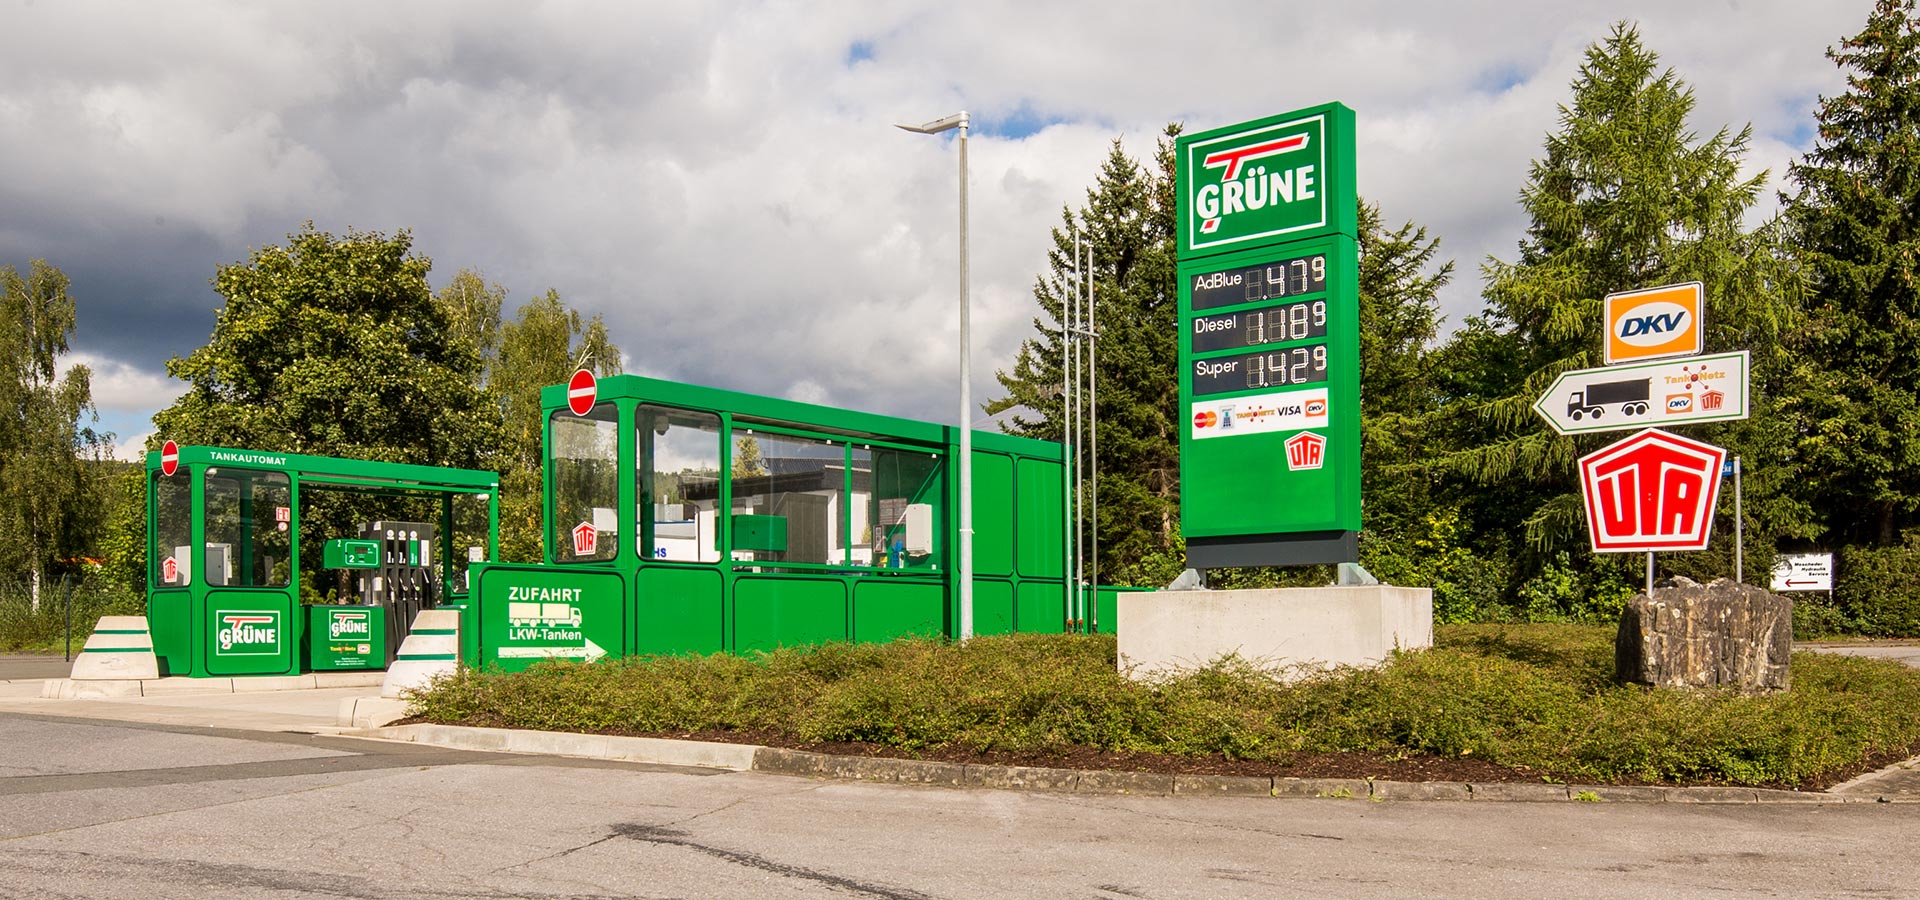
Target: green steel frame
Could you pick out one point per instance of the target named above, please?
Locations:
(186, 621)
(628, 604)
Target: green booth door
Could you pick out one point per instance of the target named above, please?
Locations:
(243, 575)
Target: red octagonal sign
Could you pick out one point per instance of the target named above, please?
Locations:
(1652, 491)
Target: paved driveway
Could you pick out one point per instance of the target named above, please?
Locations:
(102, 809)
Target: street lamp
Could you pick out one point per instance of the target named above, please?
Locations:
(959, 120)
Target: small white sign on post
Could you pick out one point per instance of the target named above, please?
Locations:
(1803, 572)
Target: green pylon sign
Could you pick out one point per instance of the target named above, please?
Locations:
(1269, 342)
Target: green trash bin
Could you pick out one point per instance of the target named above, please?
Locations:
(346, 637)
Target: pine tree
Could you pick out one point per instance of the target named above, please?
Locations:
(1626, 197)
(1855, 221)
(1128, 220)
(1399, 317)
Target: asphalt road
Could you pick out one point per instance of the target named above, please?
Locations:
(102, 809)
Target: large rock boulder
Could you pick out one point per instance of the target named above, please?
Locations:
(1719, 635)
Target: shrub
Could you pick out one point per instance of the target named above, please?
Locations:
(1534, 696)
(1878, 590)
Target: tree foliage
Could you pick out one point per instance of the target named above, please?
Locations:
(1855, 224)
(542, 345)
(1127, 220)
(335, 346)
(1626, 196)
(47, 446)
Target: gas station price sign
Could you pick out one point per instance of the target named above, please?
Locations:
(1280, 278)
(1295, 321)
(1270, 346)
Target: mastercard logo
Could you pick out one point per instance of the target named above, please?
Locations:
(1206, 419)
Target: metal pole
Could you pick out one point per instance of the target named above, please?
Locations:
(1093, 436)
(1739, 530)
(1079, 279)
(1649, 574)
(69, 591)
(966, 410)
(1066, 405)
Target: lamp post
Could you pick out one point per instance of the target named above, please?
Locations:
(959, 120)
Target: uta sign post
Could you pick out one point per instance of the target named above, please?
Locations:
(1269, 341)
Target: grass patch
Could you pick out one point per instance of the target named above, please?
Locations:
(1538, 697)
(24, 629)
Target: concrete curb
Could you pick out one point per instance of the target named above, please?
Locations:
(179, 685)
(886, 770)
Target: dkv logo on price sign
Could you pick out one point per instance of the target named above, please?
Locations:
(1652, 491)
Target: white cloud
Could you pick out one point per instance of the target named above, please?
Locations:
(721, 181)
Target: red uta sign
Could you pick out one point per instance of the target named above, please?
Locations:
(1652, 491)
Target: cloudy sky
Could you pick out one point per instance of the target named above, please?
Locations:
(721, 180)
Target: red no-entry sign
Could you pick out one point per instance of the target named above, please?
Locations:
(169, 458)
(581, 389)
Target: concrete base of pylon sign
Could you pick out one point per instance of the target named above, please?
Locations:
(120, 649)
(1287, 631)
(431, 648)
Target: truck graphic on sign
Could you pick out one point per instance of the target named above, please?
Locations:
(1593, 400)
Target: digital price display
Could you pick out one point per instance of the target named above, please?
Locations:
(1297, 321)
(1260, 371)
(1266, 281)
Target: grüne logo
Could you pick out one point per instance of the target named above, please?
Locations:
(249, 633)
(1652, 325)
(343, 624)
(1244, 188)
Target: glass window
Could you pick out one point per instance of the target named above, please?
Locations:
(172, 545)
(788, 499)
(584, 472)
(678, 479)
(248, 522)
(467, 544)
(905, 499)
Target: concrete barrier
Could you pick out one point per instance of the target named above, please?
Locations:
(432, 648)
(120, 649)
(1289, 630)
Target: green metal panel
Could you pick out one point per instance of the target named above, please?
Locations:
(1041, 531)
(346, 637)
(993, 606)
(886, 608)
(775, 611)
(752, 532)
(530, 613)
(992, 514)
(1043, 608)
(1246, 407)
(677, 610)
(170, 624)
(251, 633)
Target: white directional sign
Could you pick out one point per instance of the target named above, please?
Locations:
(1803, 572)
(1648, 395)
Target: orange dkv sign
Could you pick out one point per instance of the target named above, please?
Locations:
(1652, 491)
(1654, 323)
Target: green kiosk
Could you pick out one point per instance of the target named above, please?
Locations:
(686, 519)
(257, 564)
